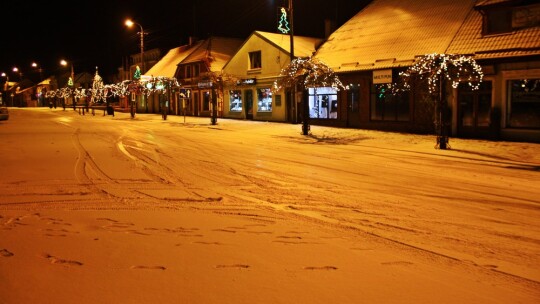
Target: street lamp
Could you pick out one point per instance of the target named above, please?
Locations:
(35, 65)
(16, 70)
(130, 23)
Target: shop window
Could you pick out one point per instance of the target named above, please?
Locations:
(206, 101)
(255, 60)
(388, 107)
(323, 103)
(264, 96)
(524, 103)
(235, 101)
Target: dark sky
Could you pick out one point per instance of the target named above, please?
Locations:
(92, 33)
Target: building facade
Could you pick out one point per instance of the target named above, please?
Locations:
(251, 72)
(387, 36)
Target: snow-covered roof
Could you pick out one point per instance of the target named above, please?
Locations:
(303, 46)
(166, 67)
(469, 40)
(218, 49)
(391, 33)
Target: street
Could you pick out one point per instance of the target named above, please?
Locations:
(109, 209)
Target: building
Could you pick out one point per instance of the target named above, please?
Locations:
(387, 36)
(251, 73)
(166, 67)
(199, 74)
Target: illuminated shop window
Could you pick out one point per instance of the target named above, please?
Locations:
(323, 103)
(235, 100)
(264, 100)
(524, 103)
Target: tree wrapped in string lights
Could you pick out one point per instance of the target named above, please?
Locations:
(434, 71)
(307, 73)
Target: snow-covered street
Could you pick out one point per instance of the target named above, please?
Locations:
(102, 209)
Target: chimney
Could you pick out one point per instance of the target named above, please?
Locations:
(329, 27)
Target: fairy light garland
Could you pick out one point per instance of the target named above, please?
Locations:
(310, 73)
(455, 68)
(99, 91)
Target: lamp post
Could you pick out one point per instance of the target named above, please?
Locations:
(40, 70)
(130, 23)
(16, 70)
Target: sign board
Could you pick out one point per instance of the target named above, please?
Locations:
(247, 81)
(382, 76)
(205, 84)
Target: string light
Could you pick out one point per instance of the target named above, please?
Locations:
(455, 68)
(100, 91)
(310, 73)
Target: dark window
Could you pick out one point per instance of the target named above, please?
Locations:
(524, 103)
(389, 107)
(196, 70)
(206, 101)
(498, 21)
(255, 60)
(188, 71)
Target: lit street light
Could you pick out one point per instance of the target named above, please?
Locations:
(36, 66)
(16, 70)
(130, 23)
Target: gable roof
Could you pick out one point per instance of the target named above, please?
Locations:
(218, 49)
(303, 46)
(469, 40)
(391, 33)
(166, 66)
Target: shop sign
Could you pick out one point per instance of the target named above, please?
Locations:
(205, 84)
(382, 76)
(247, 81)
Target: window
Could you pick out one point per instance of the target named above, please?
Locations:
(196, 70)
(187, 69)
(497, 21)
(323, 103)
(255, 60)
(385, 106)
(235, 104)
(506, 19)
(264, 97)
(524, 103)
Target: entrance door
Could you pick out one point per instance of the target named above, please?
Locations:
(196, 103)
(474, 111)
(353, 106)
(249, 103)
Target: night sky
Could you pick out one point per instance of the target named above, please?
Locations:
(92, 33)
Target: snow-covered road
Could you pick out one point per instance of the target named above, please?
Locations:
(471, 210)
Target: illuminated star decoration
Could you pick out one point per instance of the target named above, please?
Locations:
(454, 68)
(283, 23)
